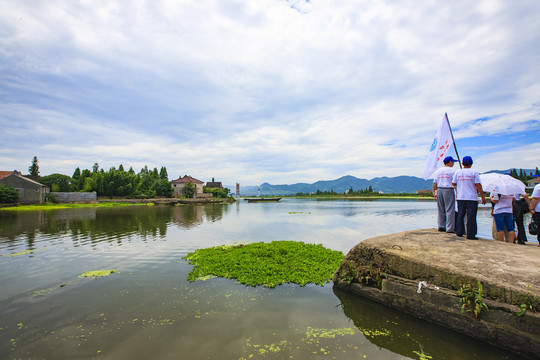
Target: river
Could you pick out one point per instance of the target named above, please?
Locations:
(148, 310)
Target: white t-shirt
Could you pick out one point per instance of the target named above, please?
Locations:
(504, 205)
(536, 194)
(443, 177)
(466, 180)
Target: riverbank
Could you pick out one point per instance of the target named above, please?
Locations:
(421, 273)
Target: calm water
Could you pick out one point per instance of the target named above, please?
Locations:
(148, 310)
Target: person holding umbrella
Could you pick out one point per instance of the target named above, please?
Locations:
(467, 183)
(535, 205)
(502, 213)
(504, 189)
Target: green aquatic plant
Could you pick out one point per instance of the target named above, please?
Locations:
(97, 273)
(52, 206)
(367, 275)
(472, 298)
(527, 305)
(266, 264)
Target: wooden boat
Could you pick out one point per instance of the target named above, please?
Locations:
(262, 199)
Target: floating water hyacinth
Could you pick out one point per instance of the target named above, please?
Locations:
(267, 264)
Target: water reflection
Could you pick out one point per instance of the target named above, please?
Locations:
(409, 336)
(93, 225)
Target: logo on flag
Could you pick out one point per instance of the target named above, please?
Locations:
(442, 142)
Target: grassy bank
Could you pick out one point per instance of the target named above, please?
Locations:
(51, 206)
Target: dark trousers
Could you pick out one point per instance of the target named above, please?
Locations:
(518, 218)
(467, 208)
(537, 219)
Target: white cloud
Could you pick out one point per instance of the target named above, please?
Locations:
(269, 90)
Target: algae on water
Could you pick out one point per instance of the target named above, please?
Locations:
(267, 264)
(97, 273)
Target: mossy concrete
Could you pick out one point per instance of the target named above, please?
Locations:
(509, 274)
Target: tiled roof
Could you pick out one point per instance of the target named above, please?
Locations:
(3, 174)
(187, 179)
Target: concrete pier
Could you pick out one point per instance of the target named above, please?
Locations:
(422, 270)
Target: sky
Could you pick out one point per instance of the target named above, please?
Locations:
(277, 91)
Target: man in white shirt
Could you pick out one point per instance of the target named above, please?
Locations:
(443, 191)
(466, 181)
(535, 205)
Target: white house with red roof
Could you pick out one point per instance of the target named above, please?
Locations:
(179, 184)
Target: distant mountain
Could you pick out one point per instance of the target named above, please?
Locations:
(399, 184)
(396, 185)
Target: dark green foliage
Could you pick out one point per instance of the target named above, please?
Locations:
(57, 182)
(366, 275)
(52, 198)
(163, 173)
(472, 298)
(523, 175)
(217, 192)
(33, 170)
(189, 190)
(162, 187)
(114, 182)
(8, 195)
(267, 264)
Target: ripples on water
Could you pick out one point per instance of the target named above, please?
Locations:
(149, 310)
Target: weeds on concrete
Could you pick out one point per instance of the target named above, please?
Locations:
(472, 297)
(528, 305)
(367, 275)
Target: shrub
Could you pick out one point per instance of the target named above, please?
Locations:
(8, 195)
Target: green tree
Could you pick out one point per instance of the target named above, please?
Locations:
(217, 192)
(76, 174)
(95, 168)
(8, 195)
(162, 187)
(34, 168)
(163, 173)
(189, 190)
(57, 182)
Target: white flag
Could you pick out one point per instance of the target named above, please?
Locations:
(442, 142)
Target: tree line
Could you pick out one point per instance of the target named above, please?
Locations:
(118, 182)
(522, 175)
(113, 182)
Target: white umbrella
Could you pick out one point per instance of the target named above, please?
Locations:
(501, 184)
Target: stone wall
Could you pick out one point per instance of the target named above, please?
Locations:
(75, 197)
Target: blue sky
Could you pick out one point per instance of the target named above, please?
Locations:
(270, 90)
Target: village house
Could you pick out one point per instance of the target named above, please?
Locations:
(179, 184)
(214, 184)
(30, 191)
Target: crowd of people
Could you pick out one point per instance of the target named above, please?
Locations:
(457, 193)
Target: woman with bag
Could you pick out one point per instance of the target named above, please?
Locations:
(535, 206)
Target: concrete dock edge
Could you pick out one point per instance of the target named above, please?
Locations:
(423, 270)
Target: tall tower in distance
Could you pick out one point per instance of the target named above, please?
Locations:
(237, 189)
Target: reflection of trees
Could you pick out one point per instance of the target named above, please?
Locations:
(395, 331)
(89, 225)
(214, 212)
(114, 225)
(189, 216)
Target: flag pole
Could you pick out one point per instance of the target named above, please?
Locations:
(451, 133)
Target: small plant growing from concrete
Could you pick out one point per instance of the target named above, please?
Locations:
(367, 275)
(528, 305)
(472, 298)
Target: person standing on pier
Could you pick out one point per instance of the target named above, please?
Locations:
(443, 191)
(467, 183)
(535, 205)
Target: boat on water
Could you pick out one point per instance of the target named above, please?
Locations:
(262, 199)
